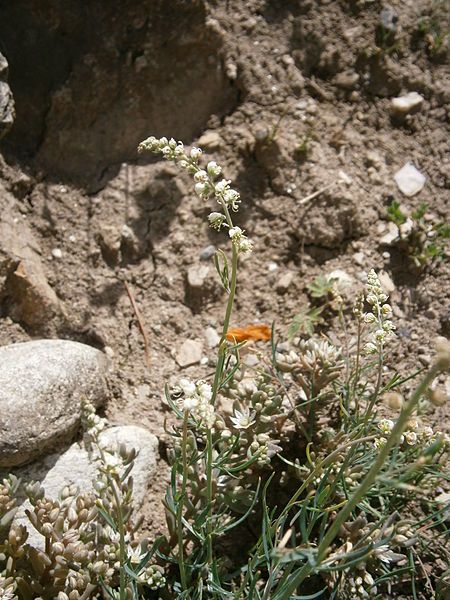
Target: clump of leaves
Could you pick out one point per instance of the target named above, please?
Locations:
(303, 145)
(424, 241)
(306, 321)
(434, 31)
(322, 290)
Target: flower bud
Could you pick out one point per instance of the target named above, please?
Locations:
(438, 397)
(394, 400)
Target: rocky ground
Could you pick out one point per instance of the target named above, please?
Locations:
(311, 107)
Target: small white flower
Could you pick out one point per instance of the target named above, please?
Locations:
(369, 318)
(201, 176)
(370, 348)
(411, 438)
(413, 424)
(235, 233)
(386, 309)
(385, 426)
(232, 198)
(388, 326)
(222, 185)
(213, 169)
(188, 386)
(245, 245)
(243, 419)
(379, 442)
(384, 553)
(204, 390)
(112, 461)
(134, 555)
(216, 220)
(427, 432)
(195, 153)
(189, 404)
(202, 189)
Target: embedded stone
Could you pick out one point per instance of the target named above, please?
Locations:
(409, 180)
(42, 384)
(189, 353)
(210, 140)
(407, 103)
(212, 337)
(284, 282)
(197, 275)
(25, 292)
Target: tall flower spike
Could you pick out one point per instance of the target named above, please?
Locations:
(378, 317)
(205, 184)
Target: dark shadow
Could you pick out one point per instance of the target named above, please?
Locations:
(88, 85)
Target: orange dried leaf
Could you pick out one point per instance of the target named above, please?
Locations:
(250, 333)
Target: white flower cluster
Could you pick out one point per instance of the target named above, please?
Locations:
(196, 401)
(414, 434)
(378, 317)
(240, 240)
(206, 184)
(93, 424)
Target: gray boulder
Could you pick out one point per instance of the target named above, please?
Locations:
(42, 384)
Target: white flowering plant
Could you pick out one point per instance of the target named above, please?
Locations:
(290, 479)
(303, 458)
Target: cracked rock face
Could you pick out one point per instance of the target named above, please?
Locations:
(7, 112)
(42, 384)
(101, 80)
(25, 294)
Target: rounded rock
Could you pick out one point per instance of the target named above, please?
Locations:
(42, 384)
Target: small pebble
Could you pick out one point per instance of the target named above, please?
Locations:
(409, 180)
(284, 282)
(210, 140)
(197, 275)
(389, 18)
(406, 104)
(189, 353)
(386, 282)
(425, 359)
(212, 337)
(392, 234)
(57, 253)
(207, 252)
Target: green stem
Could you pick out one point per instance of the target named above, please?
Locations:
(181, 504)
(122, 550)
(356, 376)
(375, 394)
(226, 324)
(366, 484)
(209, 494)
